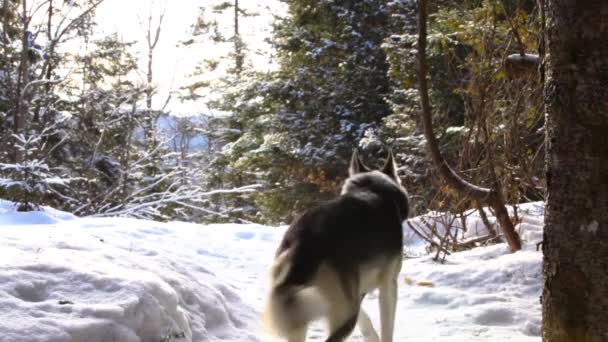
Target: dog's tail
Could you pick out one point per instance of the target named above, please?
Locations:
(290, 306)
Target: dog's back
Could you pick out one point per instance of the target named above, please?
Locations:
(335, 253)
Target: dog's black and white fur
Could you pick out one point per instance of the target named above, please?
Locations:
(336, 253)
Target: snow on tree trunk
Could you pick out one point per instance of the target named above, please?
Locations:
(576, 234)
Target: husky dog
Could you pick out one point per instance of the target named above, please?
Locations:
(336, 253)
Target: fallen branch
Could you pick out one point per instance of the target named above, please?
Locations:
(474, 242)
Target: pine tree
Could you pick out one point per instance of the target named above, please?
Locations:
(295, 127)
(221, 93)
(9, 59)
(30, 95)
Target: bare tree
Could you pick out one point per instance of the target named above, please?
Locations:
(152, 33)
(575, 245)
(238, 42)
(493, 197)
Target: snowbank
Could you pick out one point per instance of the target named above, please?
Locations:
(69, 279)
(64, 279)
(9, 216)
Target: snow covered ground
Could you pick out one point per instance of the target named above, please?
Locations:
(64, 278)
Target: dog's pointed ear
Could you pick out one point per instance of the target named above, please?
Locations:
(356, 165)
(390, 168)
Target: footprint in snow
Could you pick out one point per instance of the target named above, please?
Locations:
(155, 231)
(244, 235)
(205, 252)
(495, 316)
(31, 292)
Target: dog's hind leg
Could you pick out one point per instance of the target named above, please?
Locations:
(344, 317)
(367, 328)
(340, 331)
(388, 300)
(344, 313)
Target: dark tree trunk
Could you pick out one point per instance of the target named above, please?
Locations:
(575, 247)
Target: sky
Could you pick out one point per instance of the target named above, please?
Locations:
(173, 63)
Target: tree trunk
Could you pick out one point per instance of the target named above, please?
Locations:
(575, 246)
(151, 117)
(48, 115)
(6, 66)
(485, 220)
(150, 124)
(150, 120)
(238, 44)
(22, 109)
(493, 197)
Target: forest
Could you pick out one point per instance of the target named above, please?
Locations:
(80, 131)
(486, 105)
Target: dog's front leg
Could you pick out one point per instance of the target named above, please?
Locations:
(388, 306)
(388, 300)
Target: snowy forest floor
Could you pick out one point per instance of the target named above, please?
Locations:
(64, 279)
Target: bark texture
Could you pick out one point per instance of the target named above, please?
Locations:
(575, 247)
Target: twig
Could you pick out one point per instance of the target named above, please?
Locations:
(433, 243)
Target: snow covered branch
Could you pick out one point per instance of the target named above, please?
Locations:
(134, 209)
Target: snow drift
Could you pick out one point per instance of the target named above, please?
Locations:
(68, 279)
